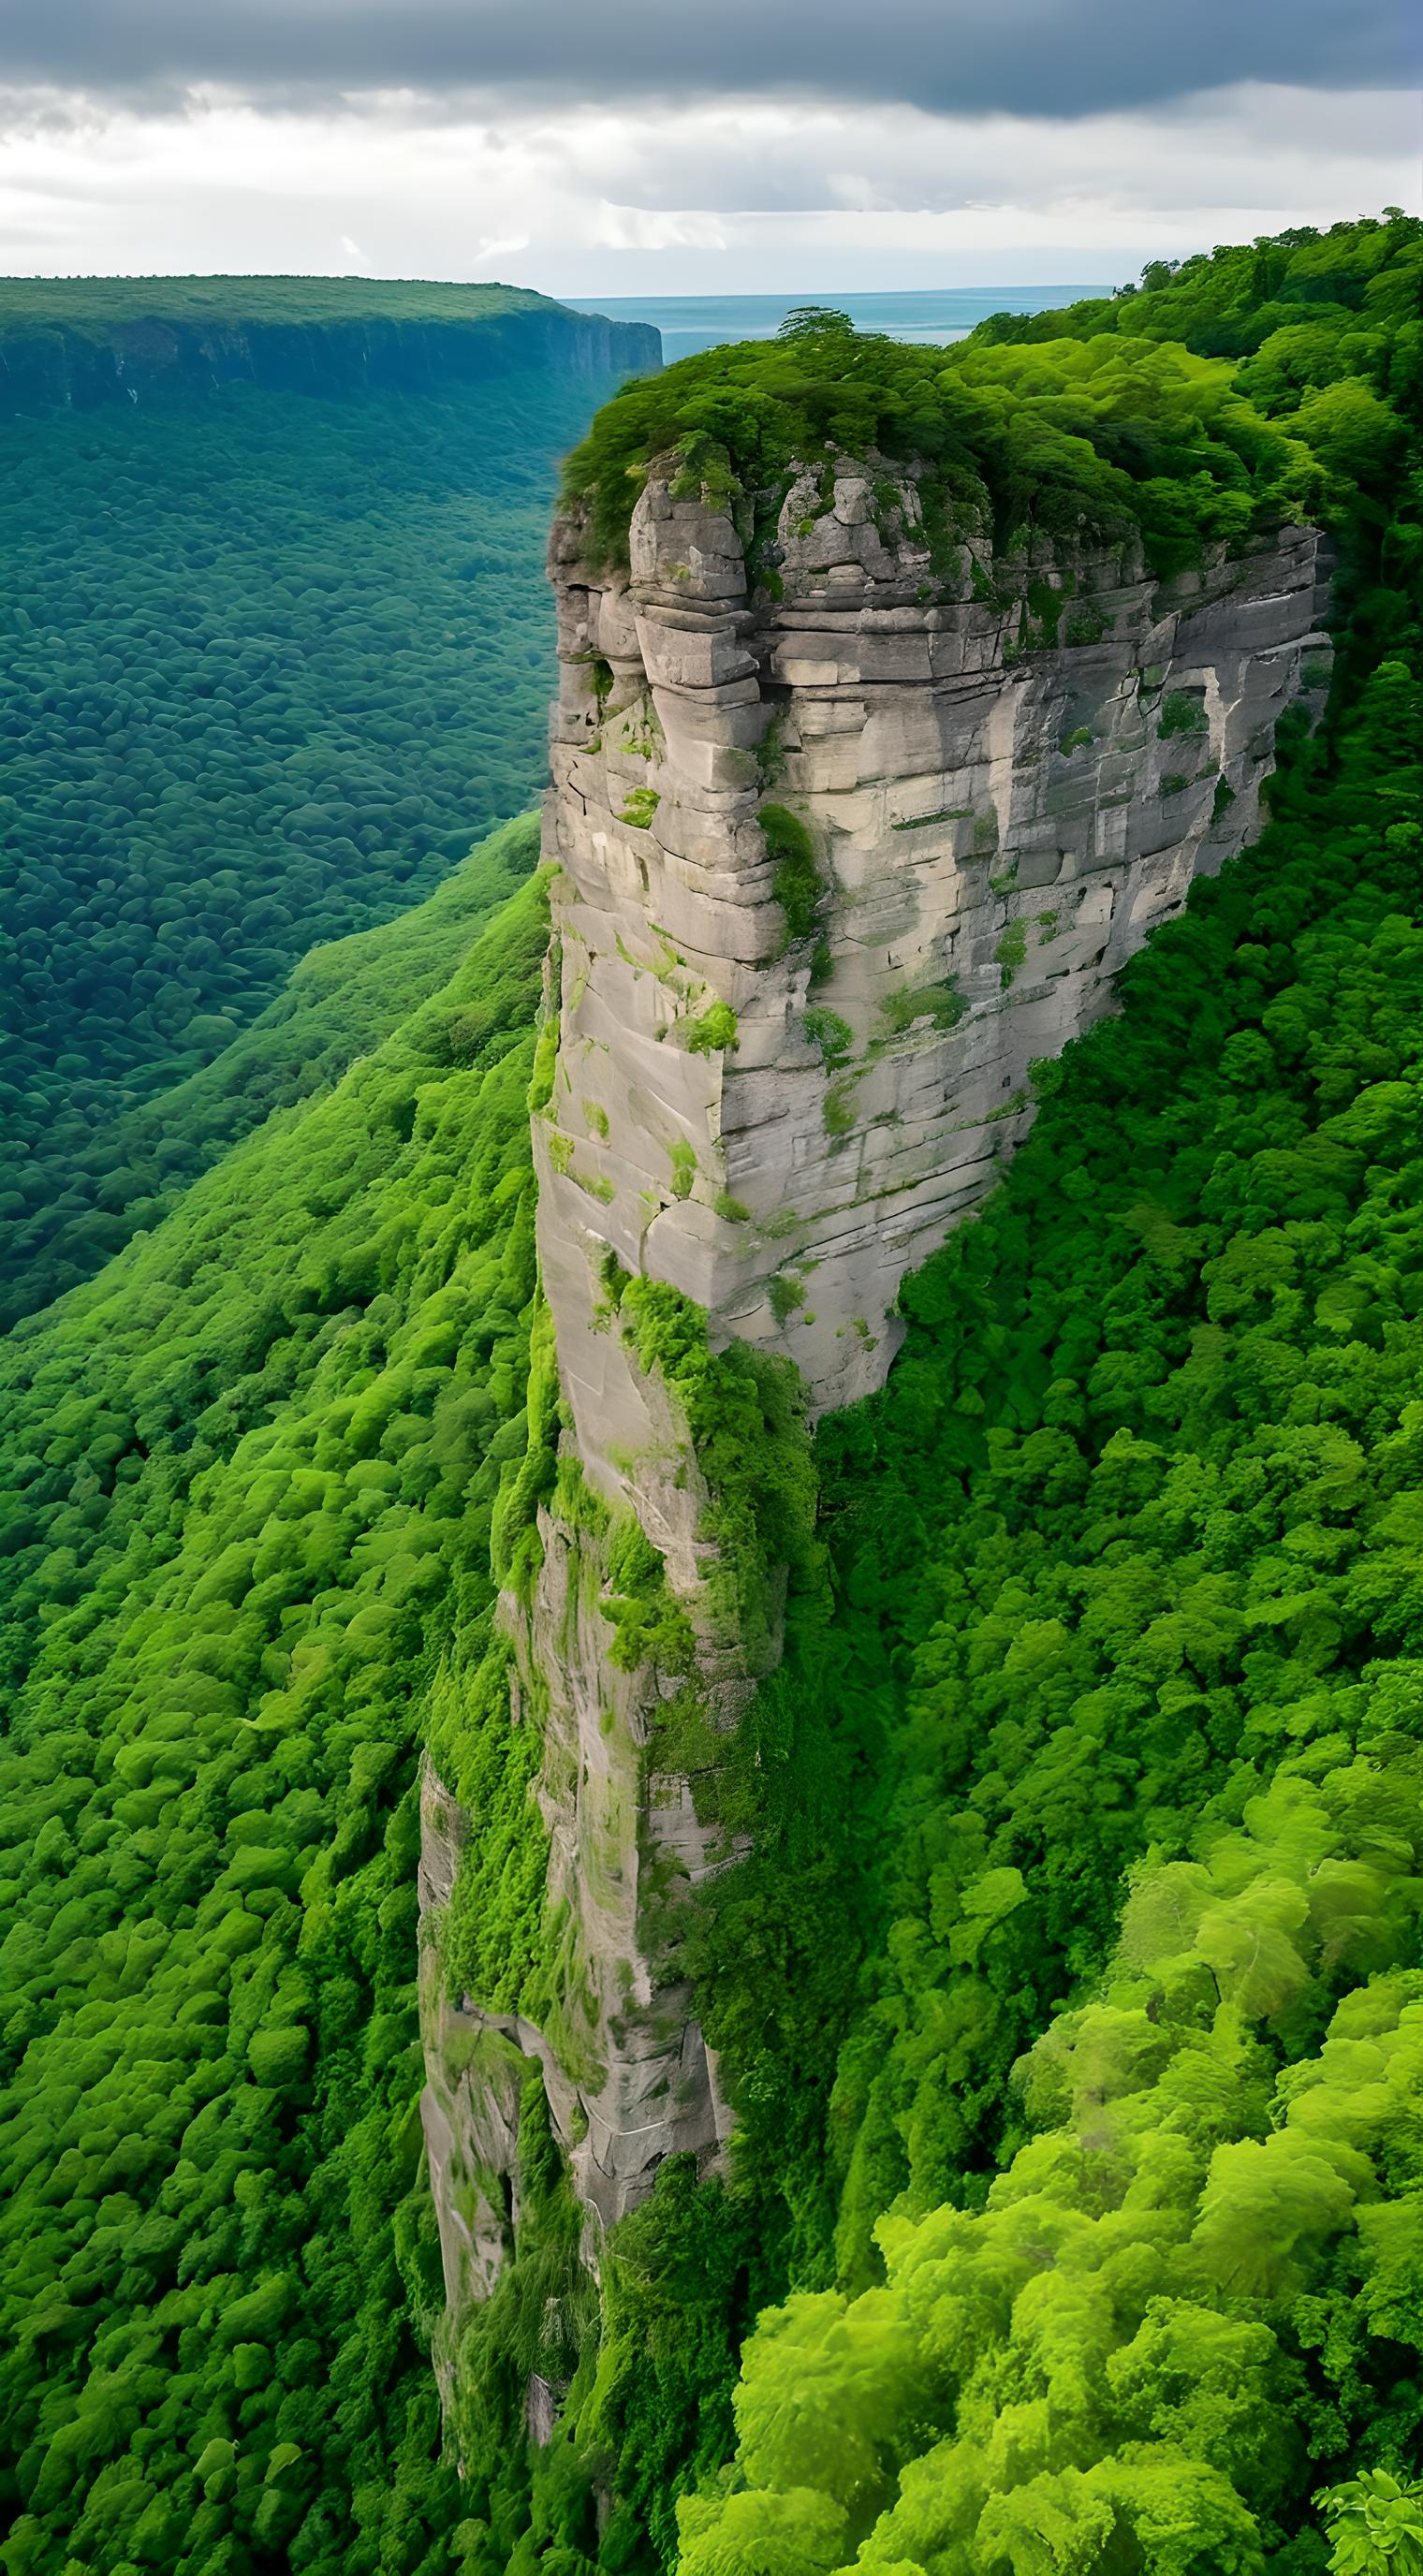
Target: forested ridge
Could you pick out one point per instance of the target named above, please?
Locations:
(99, 305)
(271, 662)
(1069, 2000)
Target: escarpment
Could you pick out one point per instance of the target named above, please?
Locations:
(839, 868)
(836, 869)
(48, 359)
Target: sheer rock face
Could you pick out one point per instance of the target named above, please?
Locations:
(627, 2074)
(995, 830)
(470, 2105)
(997, 820)
(52, 363)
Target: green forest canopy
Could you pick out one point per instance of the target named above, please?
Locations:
(97, 305)
(249, 1474)
(1145, 424)
(271, 662)
(1116, 1592)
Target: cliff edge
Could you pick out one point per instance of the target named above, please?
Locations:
(84, 342)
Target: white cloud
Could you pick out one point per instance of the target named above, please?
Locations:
(762, 194)
(634, 228)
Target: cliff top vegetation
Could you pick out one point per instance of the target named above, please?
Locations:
(1092, 423)
(1351, 287)
(95, 306)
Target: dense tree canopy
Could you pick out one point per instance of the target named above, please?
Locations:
(1069, 1997)
(250, 1474)
(270, 662)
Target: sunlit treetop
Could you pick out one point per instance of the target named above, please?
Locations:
(1121, 414)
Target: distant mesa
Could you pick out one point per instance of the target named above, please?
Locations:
(85, 341)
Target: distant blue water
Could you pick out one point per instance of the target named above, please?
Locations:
(691, 322)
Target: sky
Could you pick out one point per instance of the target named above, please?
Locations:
(649, 147)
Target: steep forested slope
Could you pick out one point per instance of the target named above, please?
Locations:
(339, 1001)
(1129, 1538)
(1130, 1527)
(271, 660)
(1094, 1756)
(250, 1474)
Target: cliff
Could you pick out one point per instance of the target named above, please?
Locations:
(837, 867)
(85, 342)
(900, 849)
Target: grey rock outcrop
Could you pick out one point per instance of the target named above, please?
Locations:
(835, 870)
(995, 827)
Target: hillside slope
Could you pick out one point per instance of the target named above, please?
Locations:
(1066, 1989)
(341, 1000)
(272, 659)
(250, 1474)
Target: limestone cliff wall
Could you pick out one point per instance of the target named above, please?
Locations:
(996, 827)
(992, 790)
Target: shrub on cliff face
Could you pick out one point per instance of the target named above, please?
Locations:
(795, 878)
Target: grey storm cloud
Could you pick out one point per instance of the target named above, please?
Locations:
(1042, 58)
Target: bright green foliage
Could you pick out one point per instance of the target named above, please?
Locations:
(745, 1413)
(1010, 951)
(252, 1471)
(713, 1031)
(1305, 309)
(837, 1110)
(1092, 441)
(270, 661)
(640, 1606)
(1375, 2524)
(97, 305)
(941, 1006)
(796, 880)
(831, 1035)
(1181, 713)
(1113, 2361)
(1328, 327)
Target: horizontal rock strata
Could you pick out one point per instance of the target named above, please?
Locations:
(994, 829)
(835, 870)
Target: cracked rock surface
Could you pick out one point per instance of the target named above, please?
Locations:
(996, 826)
(999, 784)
